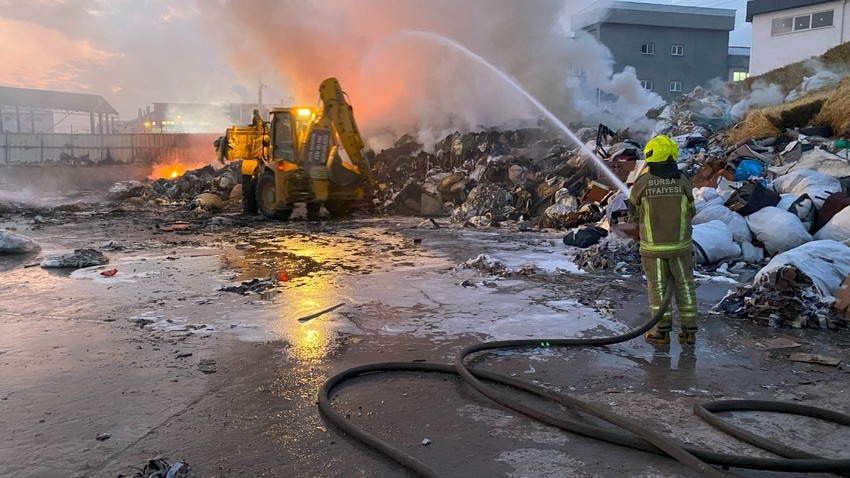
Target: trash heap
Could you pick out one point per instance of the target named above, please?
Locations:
(771, 188)
(206, 188)
(483, 179)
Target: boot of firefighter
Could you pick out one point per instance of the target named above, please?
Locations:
(688, 336)
(657, 336)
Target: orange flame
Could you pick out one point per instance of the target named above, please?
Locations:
(167, 171)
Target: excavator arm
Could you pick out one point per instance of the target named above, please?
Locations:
(338, 117)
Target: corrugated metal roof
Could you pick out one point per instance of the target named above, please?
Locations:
(757, 7)
(54, 100)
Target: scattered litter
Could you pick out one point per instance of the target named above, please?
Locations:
(207, 202)
(777, 343)
(159, 468)
(103, 436)
(426, 442)
(253, 286)
(175, 226)
(109, 273)
(208, 366)
(75, 260)
(814, 358)
(310, 317)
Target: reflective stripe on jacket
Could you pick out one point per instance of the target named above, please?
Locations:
(665, 208)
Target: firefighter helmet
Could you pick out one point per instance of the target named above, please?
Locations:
(660, 149)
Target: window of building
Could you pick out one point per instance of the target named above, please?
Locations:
(782, 25)
(647, 49)
(646, 84)
(676, 86)
(822, 19)
(677, 50)
(740, 75)
(576, 70)
(802, 23)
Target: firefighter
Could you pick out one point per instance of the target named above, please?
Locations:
(662, 201)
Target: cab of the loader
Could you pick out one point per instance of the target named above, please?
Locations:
(287, 129)
(280, 183)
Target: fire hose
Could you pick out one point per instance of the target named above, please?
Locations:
(634, 435)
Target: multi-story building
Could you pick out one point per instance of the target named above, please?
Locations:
(788, 31)
(673, 48)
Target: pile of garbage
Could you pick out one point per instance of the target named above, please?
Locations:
(206, 188)
(771, 185)
(484, 179)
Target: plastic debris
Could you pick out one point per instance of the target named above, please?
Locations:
(75, 260)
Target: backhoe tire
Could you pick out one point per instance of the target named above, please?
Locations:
(249, 195)
(314, 211)
(338, 208)
(266, 196)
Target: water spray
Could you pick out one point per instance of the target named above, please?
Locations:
(534, 101)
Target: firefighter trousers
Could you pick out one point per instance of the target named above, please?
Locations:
(681, 269)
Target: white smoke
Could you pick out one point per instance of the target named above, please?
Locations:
(402, 84)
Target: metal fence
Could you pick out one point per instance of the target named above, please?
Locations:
(21, 149)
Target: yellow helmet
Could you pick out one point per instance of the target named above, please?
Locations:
(661, 148)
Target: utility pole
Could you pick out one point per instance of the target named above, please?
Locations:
(260, 93)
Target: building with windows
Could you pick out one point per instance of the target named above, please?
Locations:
(193, 117)
(673, 48)
(739, 63)
(788, 31)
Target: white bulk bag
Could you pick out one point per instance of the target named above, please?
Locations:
(805, 181)
(827, 263)
(837, 229)
(713, 243)
(779, 230)
(734, 221)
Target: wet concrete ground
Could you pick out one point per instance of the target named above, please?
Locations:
(82, 354)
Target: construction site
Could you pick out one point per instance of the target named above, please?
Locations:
(434, 258)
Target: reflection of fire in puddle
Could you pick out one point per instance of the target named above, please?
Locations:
(289, 259)
(282, 266)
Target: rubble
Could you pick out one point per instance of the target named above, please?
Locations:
(207, 202)
(205, 189)
(160, 468)
(12, 243)
(795, 288)
(123, 190)
(76, 260)
(612, 253)
(251, 287)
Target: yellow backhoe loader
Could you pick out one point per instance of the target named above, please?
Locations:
(301, 154)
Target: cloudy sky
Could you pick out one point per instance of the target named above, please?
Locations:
(137, 52)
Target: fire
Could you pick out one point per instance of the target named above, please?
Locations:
(168, 171)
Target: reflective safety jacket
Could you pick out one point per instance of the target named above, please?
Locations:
(664, 209)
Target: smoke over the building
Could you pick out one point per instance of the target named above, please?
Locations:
(402, 83)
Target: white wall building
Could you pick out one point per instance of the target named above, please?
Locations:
(788, 31)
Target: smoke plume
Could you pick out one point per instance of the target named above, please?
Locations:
(400, 83)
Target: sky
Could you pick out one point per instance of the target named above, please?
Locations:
(137, 52)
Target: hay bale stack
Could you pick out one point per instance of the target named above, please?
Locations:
(755, 125)
(836, 110)
(767, 122)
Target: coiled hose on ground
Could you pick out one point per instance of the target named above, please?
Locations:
(634, 435)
